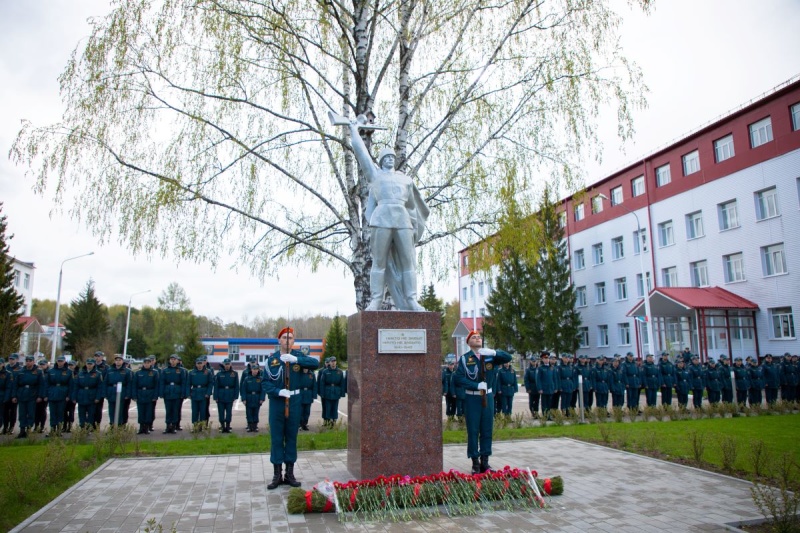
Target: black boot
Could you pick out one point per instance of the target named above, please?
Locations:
(141, 431)
(22, 433)
(289, 477)
(485, 464)
(476, 466)
(304, 427)
(227, 428)
(249, 428)
(168, 430)
(276, 478)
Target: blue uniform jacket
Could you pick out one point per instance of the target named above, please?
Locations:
(116, 375)
(630, 374)
(58, 384)
(201, 384)
(446, 387)
(6, 385)
(332, 383)
(587, 373)
(507, 381)
(651, 375)
(173, 384)
(617, 380)
(226, 387)
(467, 372)
(253, 389)
(566, 378)
(275, 374)
(756, 377)
(29, 384)
(145, 385)
(667, 370)
(696, 374)
(725, 376)
(712, 378)
(529, 380)
(547, 379)
(87, 387)
(308, 386)
(742, 377)
(772, 375)
(602, 379)
(683, 380)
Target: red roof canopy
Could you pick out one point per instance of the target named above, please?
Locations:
(696, 298)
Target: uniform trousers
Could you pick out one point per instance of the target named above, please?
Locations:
(225, 411)
(449, 405)
(330, 409)
(651, 396)
(713, 396)
(533, 402)
(86, 413)
(697, 398)
(305, 414)
(173, 411)
(666, 395)
(755, 396)
(27, 413)
(633, 397)
(479, 421)
(283, 430)
(40, 416)
(199, 410)
(146, 412)
(57, 413)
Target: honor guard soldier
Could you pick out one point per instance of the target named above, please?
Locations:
(651, 376)
(772, 379)
(6, 383)
(28, 391)
(9, 406)
(633, 382)
(667, 371)
(683, 383)
(88, 391)
(253, 394)
(40, 416)
(529, 380)
(226, 390)
(173, 388)
(201, 387)
(476, 370)
(308, 388)
(547, 382)
(602, 383)
(118, 373)
(101, 367)
(145, 393)
(696, 382)
(283, 380)
(756, 382)
(70, 403)
(331, 386)
(507, 383)
(58, 384)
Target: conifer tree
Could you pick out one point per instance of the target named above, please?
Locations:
(336, 340)
(11, 301)
(430, 301)
(512, 307)
(87, 323)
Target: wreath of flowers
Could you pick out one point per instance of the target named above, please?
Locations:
(399, 497)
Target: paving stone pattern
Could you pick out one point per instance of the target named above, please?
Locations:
(605, 490)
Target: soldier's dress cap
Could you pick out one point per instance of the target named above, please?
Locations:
(90, 361)
(226, 361)
(29, 358)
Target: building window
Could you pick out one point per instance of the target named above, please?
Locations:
(465, 314)
(691, 163)
(699, 273)
(782, 323)
(694, 225)
(472, 291)
(621, 288)
(482, 311)
(27, 281)
(637, 242)
(760, 132)
(600, 293)
(617, 248)
(464, 293)
(616, 195)
(723, 148)
(602, 335)
(669, 276)
(17, 277)
(734, 267)
(663, 175)
(728, 215)
(773, 260)
(480, 288)
(580, 297)
(637, 186)
(562, 220)
(583, 337)
(640, 286)
(465, 260)
(579, 260)
(597, 205)
(767, 204)
(578, 212)
(666, 236)
(795, 109)
(624, 332)
(597, 253)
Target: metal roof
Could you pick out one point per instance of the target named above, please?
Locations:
(687, 298)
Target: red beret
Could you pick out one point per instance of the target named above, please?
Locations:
(471, 333)
(285, 330)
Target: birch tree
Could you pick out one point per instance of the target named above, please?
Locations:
(198, 129)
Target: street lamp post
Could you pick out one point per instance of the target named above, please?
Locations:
(58, 304)
(645, 290)
(128, 324)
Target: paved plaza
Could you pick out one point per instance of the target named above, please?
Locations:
(604, 490)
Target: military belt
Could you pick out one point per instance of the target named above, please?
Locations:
(226, 388)
(146, 388)
(27, 386)
(477, 392)
(172, 383)
(198, 386)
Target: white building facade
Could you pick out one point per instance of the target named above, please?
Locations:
(720, 214)
(23, 283)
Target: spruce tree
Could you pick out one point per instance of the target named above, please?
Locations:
(336, 340)
(550, 278)
(511, 307)
(430, 301)
(11, 301)
(87, 323)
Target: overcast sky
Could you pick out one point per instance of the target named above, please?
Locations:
(700, 58)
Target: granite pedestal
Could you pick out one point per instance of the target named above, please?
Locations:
(394, 401)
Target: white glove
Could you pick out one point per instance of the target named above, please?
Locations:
(487, 351)
(288, 358)
(285, 393)
(482, 386)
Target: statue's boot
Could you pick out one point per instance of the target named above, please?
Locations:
(376, 288)
(410, 286)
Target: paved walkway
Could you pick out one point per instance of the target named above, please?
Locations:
(605, 490)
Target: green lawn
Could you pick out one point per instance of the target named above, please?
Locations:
(33, 473)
